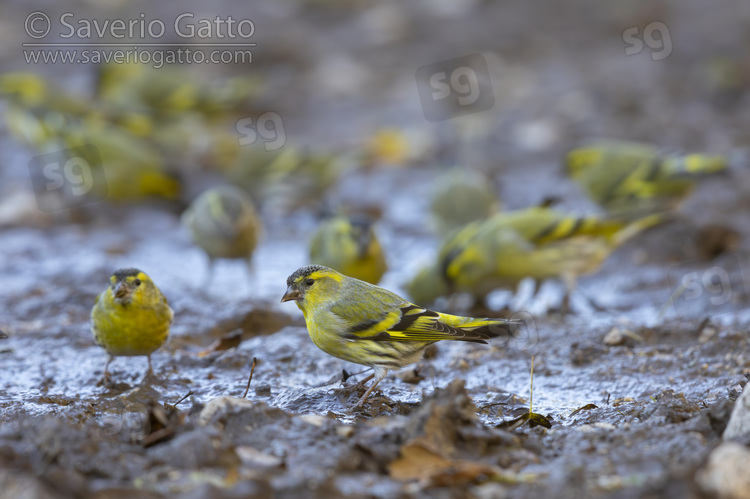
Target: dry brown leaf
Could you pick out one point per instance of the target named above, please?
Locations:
(420, 463)
(225, 343)
(417, 462)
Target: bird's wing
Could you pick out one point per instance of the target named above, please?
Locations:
(164, 305)
(420, 324)
(404, 321)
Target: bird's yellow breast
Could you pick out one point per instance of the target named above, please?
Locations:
(127, 330)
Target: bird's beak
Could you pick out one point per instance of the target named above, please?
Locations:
(363, 243)
(121, 291)
(291, 294)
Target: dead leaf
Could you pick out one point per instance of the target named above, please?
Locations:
(586, 407)
(419, 463)
(416, 462)
(163, 423)
(231, 340)
(533, 418)
(412, 376)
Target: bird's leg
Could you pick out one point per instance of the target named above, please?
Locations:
(106, 370)
(361, 383)
(592, 302)
(209, 273)
(380, 373)
(570, 285)
(519, 306)
(354, 387)
(150, 371)
(250, 273)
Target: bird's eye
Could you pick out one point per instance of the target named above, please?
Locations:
(309, 282)
(137, 282)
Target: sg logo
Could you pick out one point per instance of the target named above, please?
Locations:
(268, 126)
(455, 87)
(707, 290)
(661, 45)
(66, 178)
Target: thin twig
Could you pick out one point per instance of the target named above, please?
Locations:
(531, 386)
(183, 398)
(252, 370)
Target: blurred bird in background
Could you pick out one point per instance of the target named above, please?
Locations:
(35, 110)
(147, 126)
(133, 167)
(461, 196)
(289, 178)
(537, 242)
(167, 91)
(349, 245)
(631, 179)
(223, 222)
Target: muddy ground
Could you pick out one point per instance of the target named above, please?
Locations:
(656, 378)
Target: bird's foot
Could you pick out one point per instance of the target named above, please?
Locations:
(105, 381)
(149, 376)
(364, 397)
(353, 388)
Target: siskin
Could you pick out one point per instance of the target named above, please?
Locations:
(365, 324)
(396, 147)
(286, 179)
(224, 223)
(35, 111)
(38, 110)
(461, 196)
(132, 167)
(630, 179)
(30, 90)
(350, 246)
(535, 242)
(172, 91)
(131, 317)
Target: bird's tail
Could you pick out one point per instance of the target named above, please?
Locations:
(694, 165)
(637, 227)
(567, 227)
(484, 329)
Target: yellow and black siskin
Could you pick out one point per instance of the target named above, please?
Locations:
(349, 245)
(131, 317)
(632, 179)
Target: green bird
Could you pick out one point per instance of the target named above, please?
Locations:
(461, 196)
(362, 323)
(36, 111)
(350, 246)
(133, 168)
(288, 178)
(630, 179)
(170, 91)
(224, 223)
(131, 317)
(537, 242)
